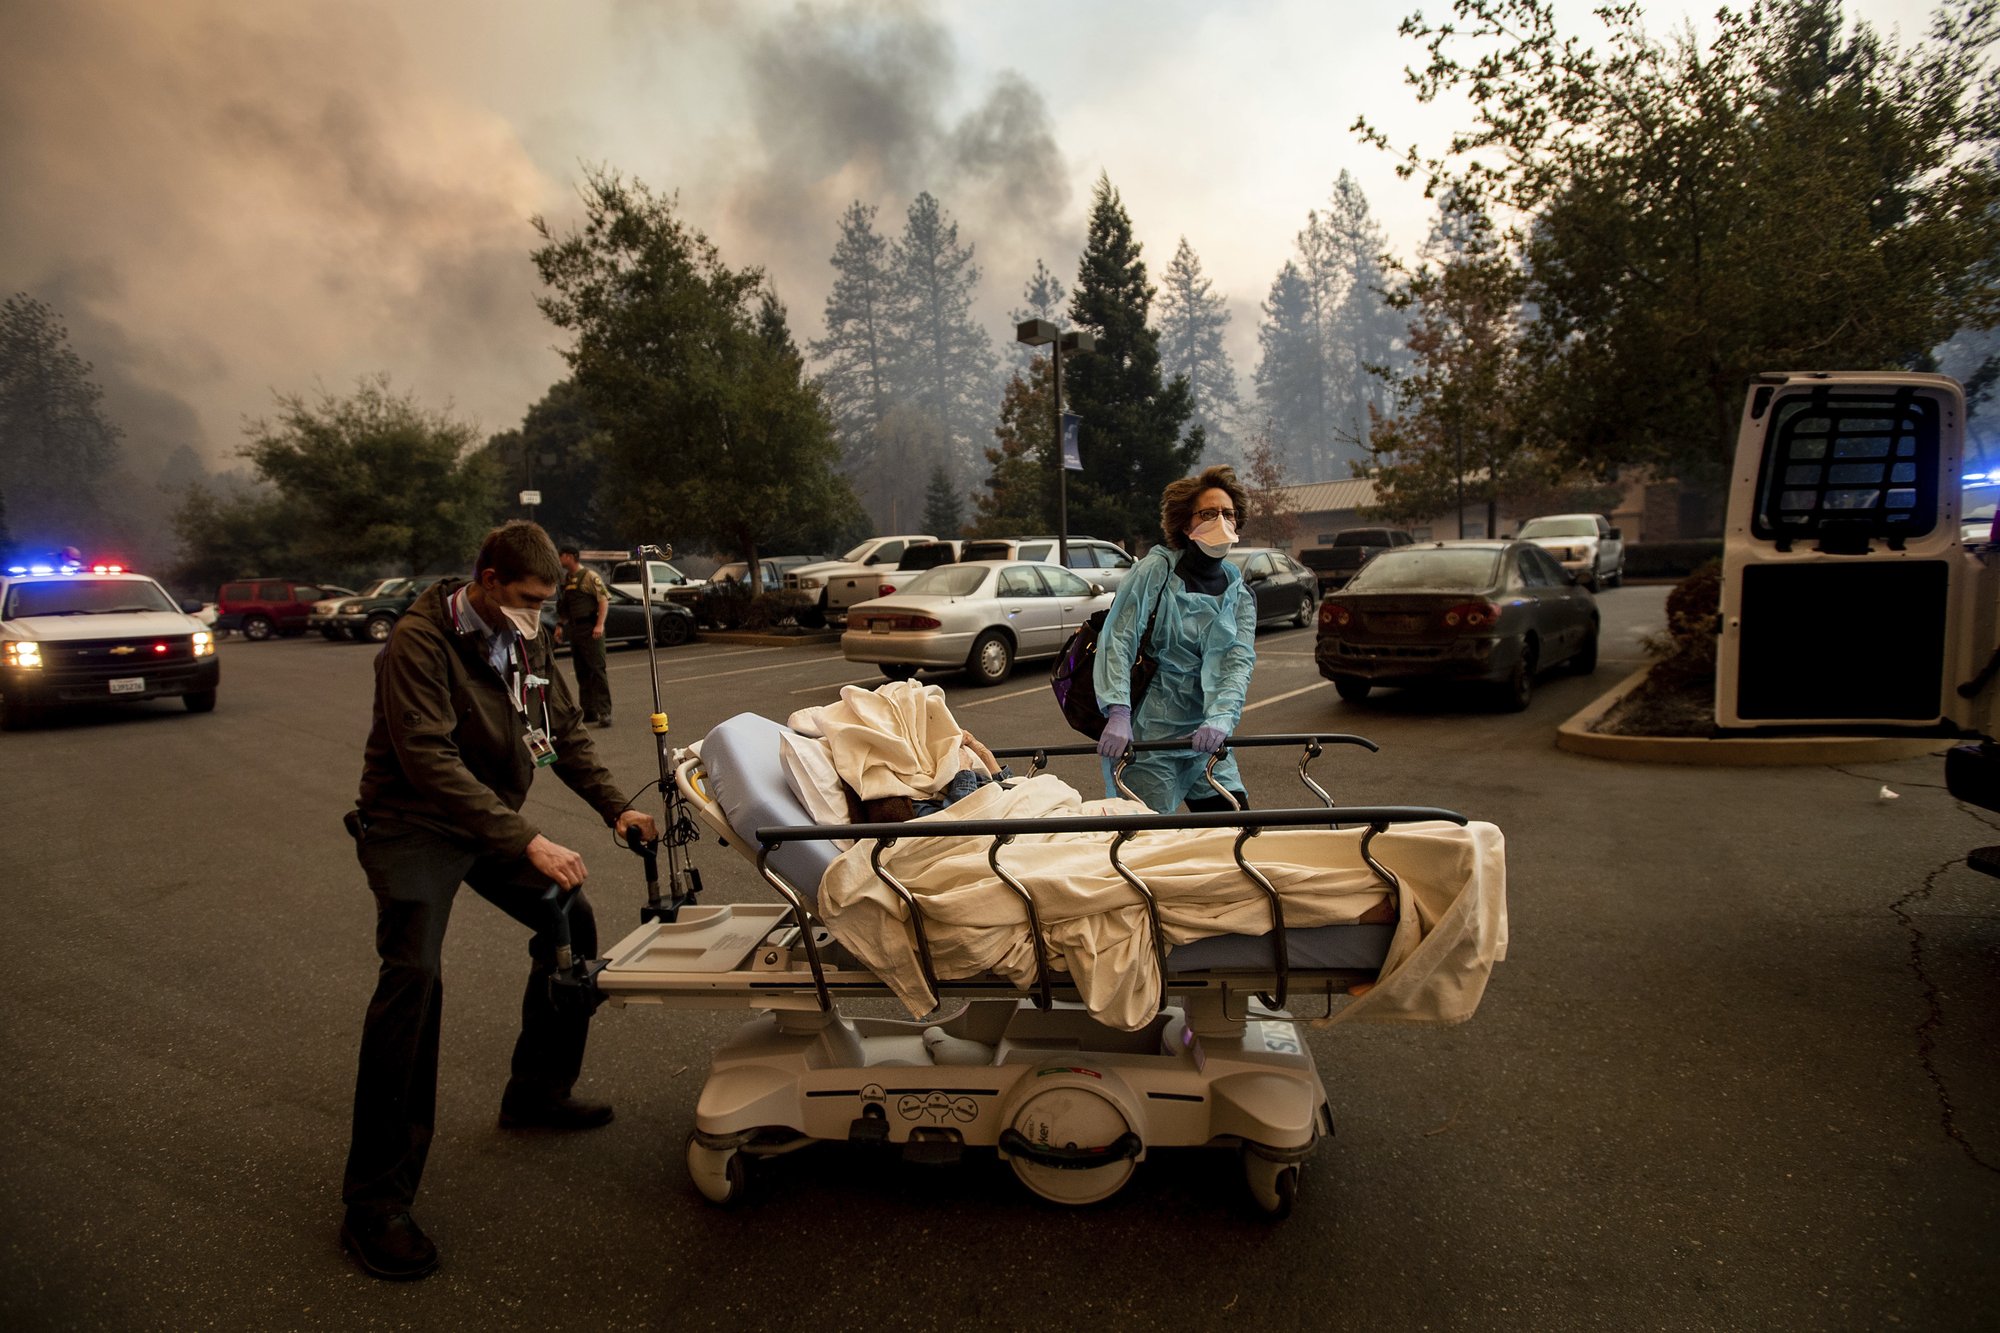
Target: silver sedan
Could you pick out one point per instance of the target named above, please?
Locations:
(979, 617)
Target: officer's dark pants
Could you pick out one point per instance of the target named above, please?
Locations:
(586, 652)
(415, 874)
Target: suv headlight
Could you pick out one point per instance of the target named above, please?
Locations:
(204, 643)
(349, 609)
(810, 581)
(24, 654)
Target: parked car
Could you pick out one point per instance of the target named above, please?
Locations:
(839, 584)
(625, 620)
(1352, 548)
(1584, 544)
(1466, 612)
(78, 637)
(725, 598)
(263, 607)
(980, 617)
(1978, 527)
(1284, 588)
(369, 615)
(1097, 561)
(669, 584)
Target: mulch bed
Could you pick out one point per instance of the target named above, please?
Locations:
(1664, 704)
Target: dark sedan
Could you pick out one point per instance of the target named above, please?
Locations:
(1472, 612)
(625, 620)
(1284, 588)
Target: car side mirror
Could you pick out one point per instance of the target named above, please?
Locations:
(191, 606)
(1617, 535)
(1098, 590)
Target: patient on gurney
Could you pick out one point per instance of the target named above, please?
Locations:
(1447, 916)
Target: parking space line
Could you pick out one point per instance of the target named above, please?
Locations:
(1288, 694)
(740, 671)
(836, 685)
(1002, 698)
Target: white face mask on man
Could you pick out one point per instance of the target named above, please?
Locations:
(1215, 536)
(524, 620)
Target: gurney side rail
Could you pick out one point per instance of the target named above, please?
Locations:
(1250, 822)
(1312, 745)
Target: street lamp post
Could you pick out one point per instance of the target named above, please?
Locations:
(1043, 333)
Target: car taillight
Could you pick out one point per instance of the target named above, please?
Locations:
(886, 590)
(1472, 615)
(1334, 616)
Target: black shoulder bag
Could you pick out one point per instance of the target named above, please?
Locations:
(1074, 676)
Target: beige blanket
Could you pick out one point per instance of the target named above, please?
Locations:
(896, 740)
(1452, 927)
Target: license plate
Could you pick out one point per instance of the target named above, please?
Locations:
(1397, 624)
(878, 627)
(129, 685)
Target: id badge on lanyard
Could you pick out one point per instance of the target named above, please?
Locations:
(540, 747)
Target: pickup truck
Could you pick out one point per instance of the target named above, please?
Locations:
(855, 577)
(1585, 545)
(1336, 564)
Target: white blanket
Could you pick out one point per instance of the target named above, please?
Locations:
(1452, 925)
(897, 740)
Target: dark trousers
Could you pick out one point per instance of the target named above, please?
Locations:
(586, 654)
(415, 874)
(1208, 804)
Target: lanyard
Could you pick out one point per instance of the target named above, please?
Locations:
(517, 680)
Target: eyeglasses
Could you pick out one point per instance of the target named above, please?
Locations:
(1210, 515)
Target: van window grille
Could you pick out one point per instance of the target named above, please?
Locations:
(1866, 463)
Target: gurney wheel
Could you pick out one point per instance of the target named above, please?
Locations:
(1274, 1185)
(719, 1173)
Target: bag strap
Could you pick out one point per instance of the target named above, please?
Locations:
(1146, 639)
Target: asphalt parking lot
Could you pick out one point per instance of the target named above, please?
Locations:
(1739, 1071)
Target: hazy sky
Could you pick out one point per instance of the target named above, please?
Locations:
(227, 199)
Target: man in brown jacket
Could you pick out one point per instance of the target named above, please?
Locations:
(468, 704)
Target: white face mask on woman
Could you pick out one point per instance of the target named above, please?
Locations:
(1214, 537)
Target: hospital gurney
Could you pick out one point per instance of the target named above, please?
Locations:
(1072, 1104)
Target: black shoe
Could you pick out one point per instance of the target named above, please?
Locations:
(557, 1113)
(388, 1245)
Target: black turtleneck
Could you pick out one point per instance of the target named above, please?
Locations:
(1201, 571)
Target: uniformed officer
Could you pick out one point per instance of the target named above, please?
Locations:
(468, 705)
(580, 618)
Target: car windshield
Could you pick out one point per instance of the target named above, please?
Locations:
(1239, 558)
(84, 597)
(1558, 527)
(948, 581)
(384, 588)
(1442, 569)
(735, 573)
(858, 552)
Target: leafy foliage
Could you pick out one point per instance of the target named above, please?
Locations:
(55, 440)
(557, 450)
(713, 431)
(1019, 495)
(1131, 440)
(1273, 519)
(1795, 193)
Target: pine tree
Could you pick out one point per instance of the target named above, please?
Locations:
(944, 360)
(1042, 296)
(856, 365)
(56, 442)
(1192, 321)
(1020, 488)
(944, 508)
(1291, 373)
(1331, 329)
(1131, 441)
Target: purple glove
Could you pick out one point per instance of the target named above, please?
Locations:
(1207, 740)
(1117, 732)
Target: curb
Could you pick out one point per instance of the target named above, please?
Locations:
(812, 640)
(1576, 736)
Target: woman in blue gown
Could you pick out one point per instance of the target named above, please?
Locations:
(1204, 638)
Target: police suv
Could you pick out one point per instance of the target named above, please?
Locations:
(77, 634)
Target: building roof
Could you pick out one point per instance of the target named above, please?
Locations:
(1326, 496)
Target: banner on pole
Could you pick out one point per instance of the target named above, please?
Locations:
(1072, 456)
